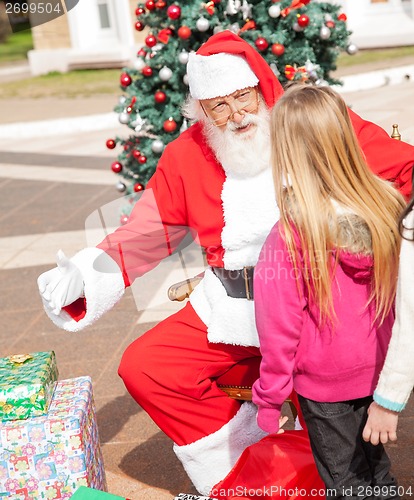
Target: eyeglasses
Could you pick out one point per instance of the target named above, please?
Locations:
(241, 102)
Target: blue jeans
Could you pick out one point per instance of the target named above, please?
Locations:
(349, 467)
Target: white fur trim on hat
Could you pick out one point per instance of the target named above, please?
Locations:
(218, 75)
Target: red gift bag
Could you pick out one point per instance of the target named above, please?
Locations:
(278, 466)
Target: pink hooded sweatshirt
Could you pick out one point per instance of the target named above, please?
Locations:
(322, 364)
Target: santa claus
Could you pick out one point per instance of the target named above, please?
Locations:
(214, 178)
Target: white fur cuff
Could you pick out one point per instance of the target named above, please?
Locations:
(209, 460)
(104, 286)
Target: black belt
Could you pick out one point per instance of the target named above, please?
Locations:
(238, 283)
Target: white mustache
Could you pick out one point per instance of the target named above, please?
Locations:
(247, 119)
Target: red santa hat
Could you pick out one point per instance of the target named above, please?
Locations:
(226, 63)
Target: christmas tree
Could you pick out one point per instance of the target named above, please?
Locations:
(300, 39)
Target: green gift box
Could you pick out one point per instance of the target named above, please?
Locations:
(27, 382)
(90, 494)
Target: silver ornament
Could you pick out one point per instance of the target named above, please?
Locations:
(165, 74)
(352, 49)
(138, 124)
(218, 29)
(312, 69)
(202, 24)
(185, 79)
(183, 57)
(120, 186)
(274, 68)
(235, 28)
(246, 10)
(325, 33)
(157, 48)
(122, 99)
(139, 63)
(233, 7)
(123, 118)
(297, 28)
(157, 146)
(274, 11)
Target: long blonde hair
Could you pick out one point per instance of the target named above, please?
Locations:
(316, 158)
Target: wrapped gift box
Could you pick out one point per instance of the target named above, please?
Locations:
(51, 456)
(27, 382)
(84, 493)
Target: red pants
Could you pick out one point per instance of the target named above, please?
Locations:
(171, 370)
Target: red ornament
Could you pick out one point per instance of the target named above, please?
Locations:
(136, 154)
(174, 12)
(150, 41)
(139, 26)
(123, 219)
(170, 125)
(150, 5)
(160, 4)
(305, 2)
(142, 159)
(125, 79)
(147, 71)
(139, 11)
(138, 187)
(116, 167)
(141, 53)
(342, 17)
(261, 43)
(278, 49)
(110, 144)
(184, 32)
(303, 20)
(330, 25)
(160, 96)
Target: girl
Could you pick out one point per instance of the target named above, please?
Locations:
(397, 377)
(324, 289)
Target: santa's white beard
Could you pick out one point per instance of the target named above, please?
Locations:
(242, 154)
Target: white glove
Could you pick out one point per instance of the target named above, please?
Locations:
(62, 285)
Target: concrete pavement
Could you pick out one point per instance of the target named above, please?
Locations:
(49, 184)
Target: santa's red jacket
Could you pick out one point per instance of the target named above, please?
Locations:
(230, 217)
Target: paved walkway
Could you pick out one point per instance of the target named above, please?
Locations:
(49, 184)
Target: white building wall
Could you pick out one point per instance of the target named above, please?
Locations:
(378, 24)
(94, 43)
(374, 24)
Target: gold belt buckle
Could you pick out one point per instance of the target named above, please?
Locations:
(249, 295)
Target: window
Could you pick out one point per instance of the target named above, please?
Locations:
(104, 15)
